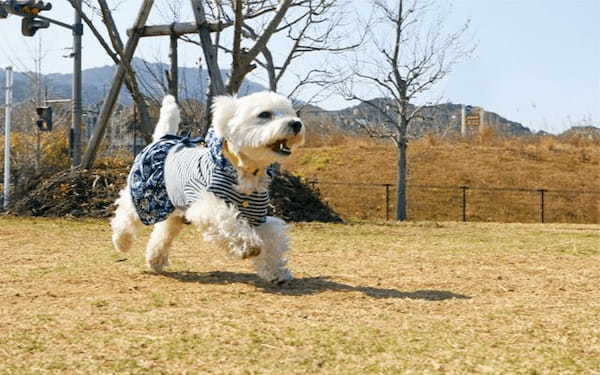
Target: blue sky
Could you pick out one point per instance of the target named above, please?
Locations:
(537, 61)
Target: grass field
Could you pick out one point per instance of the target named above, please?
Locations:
(495, 162)
(369, 298)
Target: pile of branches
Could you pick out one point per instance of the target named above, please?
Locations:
(91, 193)
(293, 200)
(74, 193)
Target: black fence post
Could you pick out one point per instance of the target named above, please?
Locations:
(387, 201)
(542, 191)
(464, 202)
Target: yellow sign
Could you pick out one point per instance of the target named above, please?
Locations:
(473, 120)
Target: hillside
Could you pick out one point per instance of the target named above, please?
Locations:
(494, 163)
(96, 83)
(438, 119)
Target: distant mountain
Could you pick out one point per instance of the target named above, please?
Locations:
(96, 83)
(441, 119)
(587, 132)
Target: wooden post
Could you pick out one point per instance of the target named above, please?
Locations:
(130, 80)
(111, 99)
(209, 49)
(463, 121)
(542, 191)
(177, 28)
(464, 202)
(173, 79)
(387, 202)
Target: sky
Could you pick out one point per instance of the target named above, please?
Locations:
(536, 62)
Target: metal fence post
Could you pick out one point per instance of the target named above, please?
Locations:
(464, 202)
(7, 124)
(542, 191)
(387, 201)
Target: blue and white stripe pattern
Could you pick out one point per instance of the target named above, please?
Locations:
(222, 182)
(169, 177)
(192, 171)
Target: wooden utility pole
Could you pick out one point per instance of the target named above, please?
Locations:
(111, 99)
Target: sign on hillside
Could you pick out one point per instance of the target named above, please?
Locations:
(473, 116)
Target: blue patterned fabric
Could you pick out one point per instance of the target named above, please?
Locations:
(215, 148)
(147, 179)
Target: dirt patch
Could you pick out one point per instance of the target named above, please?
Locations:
(91, 193)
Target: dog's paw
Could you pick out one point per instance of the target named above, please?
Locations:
(122, 241)
(157, 264)
(282, 278)
(251, 252)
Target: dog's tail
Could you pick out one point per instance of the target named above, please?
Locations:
(168, 123)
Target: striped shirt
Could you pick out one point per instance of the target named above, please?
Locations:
(192, 170)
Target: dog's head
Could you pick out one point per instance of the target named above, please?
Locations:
(259, 129)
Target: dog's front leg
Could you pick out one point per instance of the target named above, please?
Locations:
(222, 225)
(271, 263)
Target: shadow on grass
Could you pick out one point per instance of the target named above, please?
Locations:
(308, 285)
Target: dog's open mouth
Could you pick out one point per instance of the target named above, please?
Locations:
(281, 147)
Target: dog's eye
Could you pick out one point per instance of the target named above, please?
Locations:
(265, 115)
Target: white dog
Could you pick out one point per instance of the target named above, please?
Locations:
(221, 188)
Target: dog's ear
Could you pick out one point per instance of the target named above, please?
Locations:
(223, 109)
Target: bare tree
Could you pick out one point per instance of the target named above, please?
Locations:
(310, 27)
(268, 15)
(413, 53)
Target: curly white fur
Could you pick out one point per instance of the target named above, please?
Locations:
(252, 143)
(126, 223)
(220, 225)
(271, 263)
(163, 234)
(169, 120)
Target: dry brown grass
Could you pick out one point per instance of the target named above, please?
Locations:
(485, 161)
(369, 298)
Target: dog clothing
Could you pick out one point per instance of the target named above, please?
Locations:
(172, 172)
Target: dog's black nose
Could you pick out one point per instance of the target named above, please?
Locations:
(296, 126)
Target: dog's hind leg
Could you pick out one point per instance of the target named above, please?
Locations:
(157, 250)
(126, 223)
(270, 264)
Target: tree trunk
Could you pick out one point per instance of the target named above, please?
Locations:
(401, 181)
